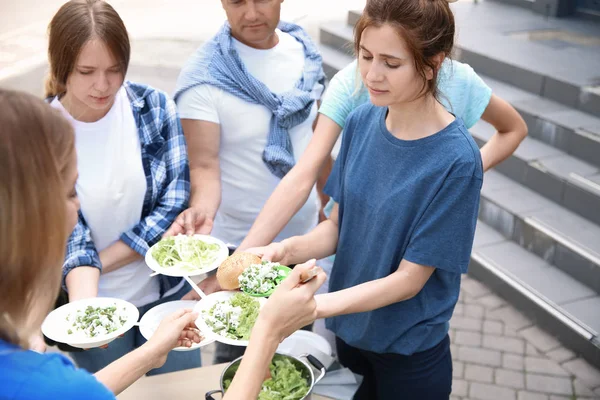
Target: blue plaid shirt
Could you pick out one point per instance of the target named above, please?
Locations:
(164, 158)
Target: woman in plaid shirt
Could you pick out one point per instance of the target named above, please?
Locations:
(133, 172)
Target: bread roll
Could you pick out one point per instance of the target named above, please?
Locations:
(232, 268)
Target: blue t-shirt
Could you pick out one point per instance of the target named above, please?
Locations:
(27, 375)
(415, 200)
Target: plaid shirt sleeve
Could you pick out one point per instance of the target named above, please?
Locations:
(173, 198)
(81, 251)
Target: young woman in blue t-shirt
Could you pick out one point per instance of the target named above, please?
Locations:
(406, 185)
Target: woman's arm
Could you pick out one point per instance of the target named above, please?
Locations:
(116, 256)
(291, 307)
(175, 330)
(511, 130)
(203, 139)
(404, 284)
(82, 282)
(82, 266)
(319, 243)
(250, 375)
(293, 190)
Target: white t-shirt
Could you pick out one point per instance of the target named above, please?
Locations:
(111, 188)
(246, 183)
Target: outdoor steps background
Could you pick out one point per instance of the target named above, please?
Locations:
(538, 236)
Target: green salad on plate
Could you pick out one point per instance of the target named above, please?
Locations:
(262, 278)
(185, 252)
(233, 318)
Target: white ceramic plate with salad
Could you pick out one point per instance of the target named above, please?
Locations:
(153, 317)
(184, 255)
(90, 323)
(228, 317)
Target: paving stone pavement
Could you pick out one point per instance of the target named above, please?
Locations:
(499, 354)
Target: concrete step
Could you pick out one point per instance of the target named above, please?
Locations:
(529, 51)
(558, 303)
(551, 172)
(557, 235)
(527, 4)
(353, 17)
(339, 36)
(572, 131)
(333, 60)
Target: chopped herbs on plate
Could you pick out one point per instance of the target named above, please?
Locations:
(260, 278)
(234, 317)
(95, 321)
(286, 382)
(185, 252)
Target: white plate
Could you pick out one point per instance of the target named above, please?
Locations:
(207, 303)
(150, 321)
(302, 342)
(55, 325)
(223, 253)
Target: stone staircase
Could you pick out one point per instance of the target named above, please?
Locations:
(538, 236)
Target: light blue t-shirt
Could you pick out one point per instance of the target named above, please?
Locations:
(463, 93)
(27, 375)
(415, 200)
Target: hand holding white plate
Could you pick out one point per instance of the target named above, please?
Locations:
(228, 317)
(90, 323)
(183, 255)
(153, 317)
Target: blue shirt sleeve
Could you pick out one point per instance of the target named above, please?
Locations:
(463, 92)
(443, 238)
(81, 250)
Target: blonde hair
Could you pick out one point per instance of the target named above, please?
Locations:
(36, 149)
(76, 23)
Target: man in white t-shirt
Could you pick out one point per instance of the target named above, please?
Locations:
(227, 135)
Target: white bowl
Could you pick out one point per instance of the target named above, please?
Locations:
(207, 303)
(223, 253)
(56, 326)
(153, 317)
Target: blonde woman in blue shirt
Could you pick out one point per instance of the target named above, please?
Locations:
(38, 170)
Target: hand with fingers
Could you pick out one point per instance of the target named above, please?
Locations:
(191, 221)
(36, 343)
(176, 330)
(274, 252)
(292, 305)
